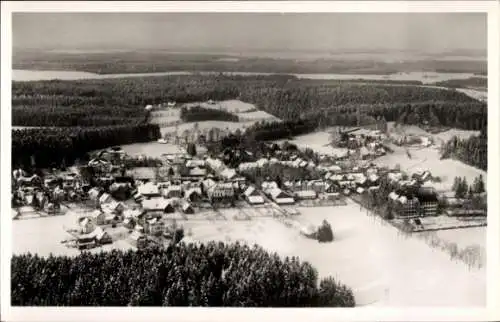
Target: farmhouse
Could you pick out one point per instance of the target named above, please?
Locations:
(405, 207)
(157, 205)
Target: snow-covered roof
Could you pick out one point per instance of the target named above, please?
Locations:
(255, 199)
(305, 193)
(360, 190)
(148, 188)
(155, 204)
(105, 197)
(394, 196)
(267, 185)
(195, 163)
(249, 191)
(228, 173)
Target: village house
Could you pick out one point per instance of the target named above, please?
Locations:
(172, 191)
(280, 197)
(148, 190)
(157, 206)
(193, 194)
(154, 226)
(253, 197)
(221, 192)
(268, 185)
(187, 208)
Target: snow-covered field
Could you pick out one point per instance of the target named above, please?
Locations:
(317, 141)
(43, 236)
(381, 266)
(447, 135)
(150, 149)
(465, 237)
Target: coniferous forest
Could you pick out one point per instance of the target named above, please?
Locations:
(215, 274)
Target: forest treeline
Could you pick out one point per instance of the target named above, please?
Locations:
(472, 151)
(198, 113)
(214, 274)
(53, 147)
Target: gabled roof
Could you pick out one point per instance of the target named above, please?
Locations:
(148, 188)
(155, 204)
(105, 197)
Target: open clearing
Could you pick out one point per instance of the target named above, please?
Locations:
(150, 149)
(248, 114)
(381, 266)
(317, 141)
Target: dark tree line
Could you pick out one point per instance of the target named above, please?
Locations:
(198, 113)
(51, 116)
(472, 151)
(184, 275)
(51, 147)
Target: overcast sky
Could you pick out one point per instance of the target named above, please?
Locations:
(428, 32)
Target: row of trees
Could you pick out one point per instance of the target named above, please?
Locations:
(53, 147)
(472, 151)
(198, 113)
(463, 190)
(52, 116)
(215, 274)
